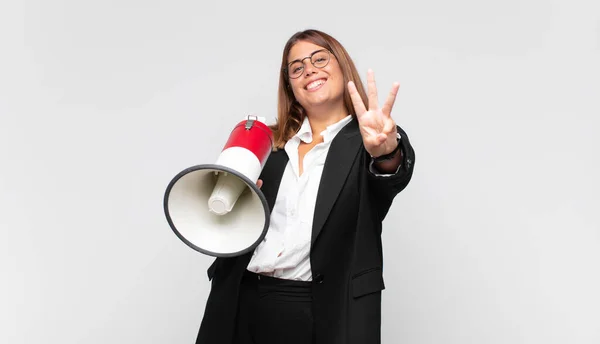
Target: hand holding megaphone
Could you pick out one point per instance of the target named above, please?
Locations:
(218, 209)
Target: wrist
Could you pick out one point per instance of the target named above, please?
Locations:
(391, 155)
(389, 166)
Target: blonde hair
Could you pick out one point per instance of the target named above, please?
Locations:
(290, 113)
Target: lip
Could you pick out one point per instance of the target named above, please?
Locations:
(316, 88)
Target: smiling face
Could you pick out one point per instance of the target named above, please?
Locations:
(330, 101)
(316, 87)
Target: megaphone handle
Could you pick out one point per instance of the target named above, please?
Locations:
(250, 122)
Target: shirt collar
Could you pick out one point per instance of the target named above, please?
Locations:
(305, 131)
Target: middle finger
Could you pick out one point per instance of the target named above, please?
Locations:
(372, 90)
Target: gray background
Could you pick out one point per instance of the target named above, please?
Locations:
(496, 239)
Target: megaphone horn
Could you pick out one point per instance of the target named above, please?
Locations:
(217, 209)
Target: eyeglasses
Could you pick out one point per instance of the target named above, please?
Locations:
(319, 59)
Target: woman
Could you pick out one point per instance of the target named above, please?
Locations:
(339, 161)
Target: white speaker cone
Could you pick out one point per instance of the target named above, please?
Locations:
(230, 234)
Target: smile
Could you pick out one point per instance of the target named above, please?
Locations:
(315, 85)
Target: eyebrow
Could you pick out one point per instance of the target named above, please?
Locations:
(305, 56)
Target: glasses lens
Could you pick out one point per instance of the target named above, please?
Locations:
(320, 59)
(295, 69)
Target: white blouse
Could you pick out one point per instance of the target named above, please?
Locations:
(285, 251)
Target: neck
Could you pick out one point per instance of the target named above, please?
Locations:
(320, 119)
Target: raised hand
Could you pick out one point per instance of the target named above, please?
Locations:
(377, 127)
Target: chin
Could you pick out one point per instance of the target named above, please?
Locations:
(315, 103)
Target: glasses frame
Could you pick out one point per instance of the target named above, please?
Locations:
(287, 68)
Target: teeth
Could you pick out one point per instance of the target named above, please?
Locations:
(315, 84)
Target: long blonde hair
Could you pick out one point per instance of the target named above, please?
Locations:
(290, 113)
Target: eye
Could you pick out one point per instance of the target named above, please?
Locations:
(296, 68)
(320, 59)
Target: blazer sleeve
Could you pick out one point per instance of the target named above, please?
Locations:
(383, 188)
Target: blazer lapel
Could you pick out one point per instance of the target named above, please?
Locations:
(271, 176)
(342, 153)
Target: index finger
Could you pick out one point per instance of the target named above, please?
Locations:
(359, 106)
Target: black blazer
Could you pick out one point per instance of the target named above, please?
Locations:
(346, 252)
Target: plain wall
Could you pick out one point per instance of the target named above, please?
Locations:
(495, 240)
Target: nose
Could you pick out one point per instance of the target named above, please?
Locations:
(309, 69)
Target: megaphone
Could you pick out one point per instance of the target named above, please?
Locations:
(217, 209)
